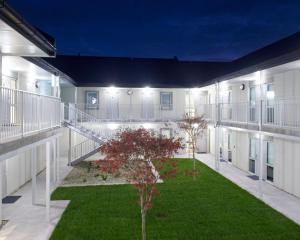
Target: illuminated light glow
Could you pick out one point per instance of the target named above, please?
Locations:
(147, 91)
(196, 91)
(113, 126)
(112, 90)
(270, 94)
(257, 135)
(195, 125)
(147, 125)
(258, 79)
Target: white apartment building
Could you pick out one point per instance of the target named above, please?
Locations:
(53, 107)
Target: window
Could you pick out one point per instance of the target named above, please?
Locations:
(270, 161)
(166, 132)
(166, 100)
(252, 155)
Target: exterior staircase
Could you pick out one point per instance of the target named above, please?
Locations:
(87, 126)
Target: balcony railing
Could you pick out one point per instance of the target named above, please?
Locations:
(243, 112)
(83, 149)
(133, 112)
(280, 113)
(23, 113)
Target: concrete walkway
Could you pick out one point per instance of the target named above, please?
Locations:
(283, 202)
(27, 221)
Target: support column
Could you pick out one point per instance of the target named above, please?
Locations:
(57, 160)
(48, 154)
(261, 141)
(70, 147)
(1, 182)
(33, 174)
(261, 164)
(1, 83)
(53, 165)
(217, 134)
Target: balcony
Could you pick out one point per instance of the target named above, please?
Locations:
(24, 113)
(133, 112)
(277, 114)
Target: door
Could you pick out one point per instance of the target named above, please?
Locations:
(200, 105)
(229, 145)
(202, 143)
(147, 106)
(270, 103)
(112, 107)
(252, 101)
(253, 147)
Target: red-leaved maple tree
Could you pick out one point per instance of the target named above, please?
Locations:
(145, 158)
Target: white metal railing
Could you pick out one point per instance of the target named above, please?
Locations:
(23, 113)
(80, 119)
(242, 112)
(206, 110)
(83, 149)
(133, 112)
(283, 113)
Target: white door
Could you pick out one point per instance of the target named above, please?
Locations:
(112, 111)
(200, 105)
(202, 143)
(147, 106)
(253, 155)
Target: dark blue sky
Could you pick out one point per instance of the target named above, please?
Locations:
(198, 30)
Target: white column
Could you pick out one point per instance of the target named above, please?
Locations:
(48, 154)
(57, 159)
(217, 133)
(33, 174)
(1, 182)
(1, 70)
(70, 146)
(53, 165)
(261, 164)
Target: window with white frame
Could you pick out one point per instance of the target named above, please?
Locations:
(270, 103)
(270, 161)
(252, 154)
(166, 100)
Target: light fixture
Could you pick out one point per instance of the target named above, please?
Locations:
(147, 91)
(112, 90)
(270, 95)
(242, 86)
(129, 92)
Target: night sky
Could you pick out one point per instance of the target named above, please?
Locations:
(191, 30)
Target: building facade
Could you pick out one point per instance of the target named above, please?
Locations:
(55, 107)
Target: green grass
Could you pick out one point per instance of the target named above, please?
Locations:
(211, 207)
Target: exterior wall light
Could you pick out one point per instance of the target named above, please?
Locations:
(129, 92)
(242, 86)
(112, 90)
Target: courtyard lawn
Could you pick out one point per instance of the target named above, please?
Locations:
(211, 207)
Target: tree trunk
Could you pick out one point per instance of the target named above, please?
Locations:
(194, 162)
(143, 215)
(143, 225)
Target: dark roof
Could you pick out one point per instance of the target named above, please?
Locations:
(277, 53)
(137, 72)
(41, 39)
